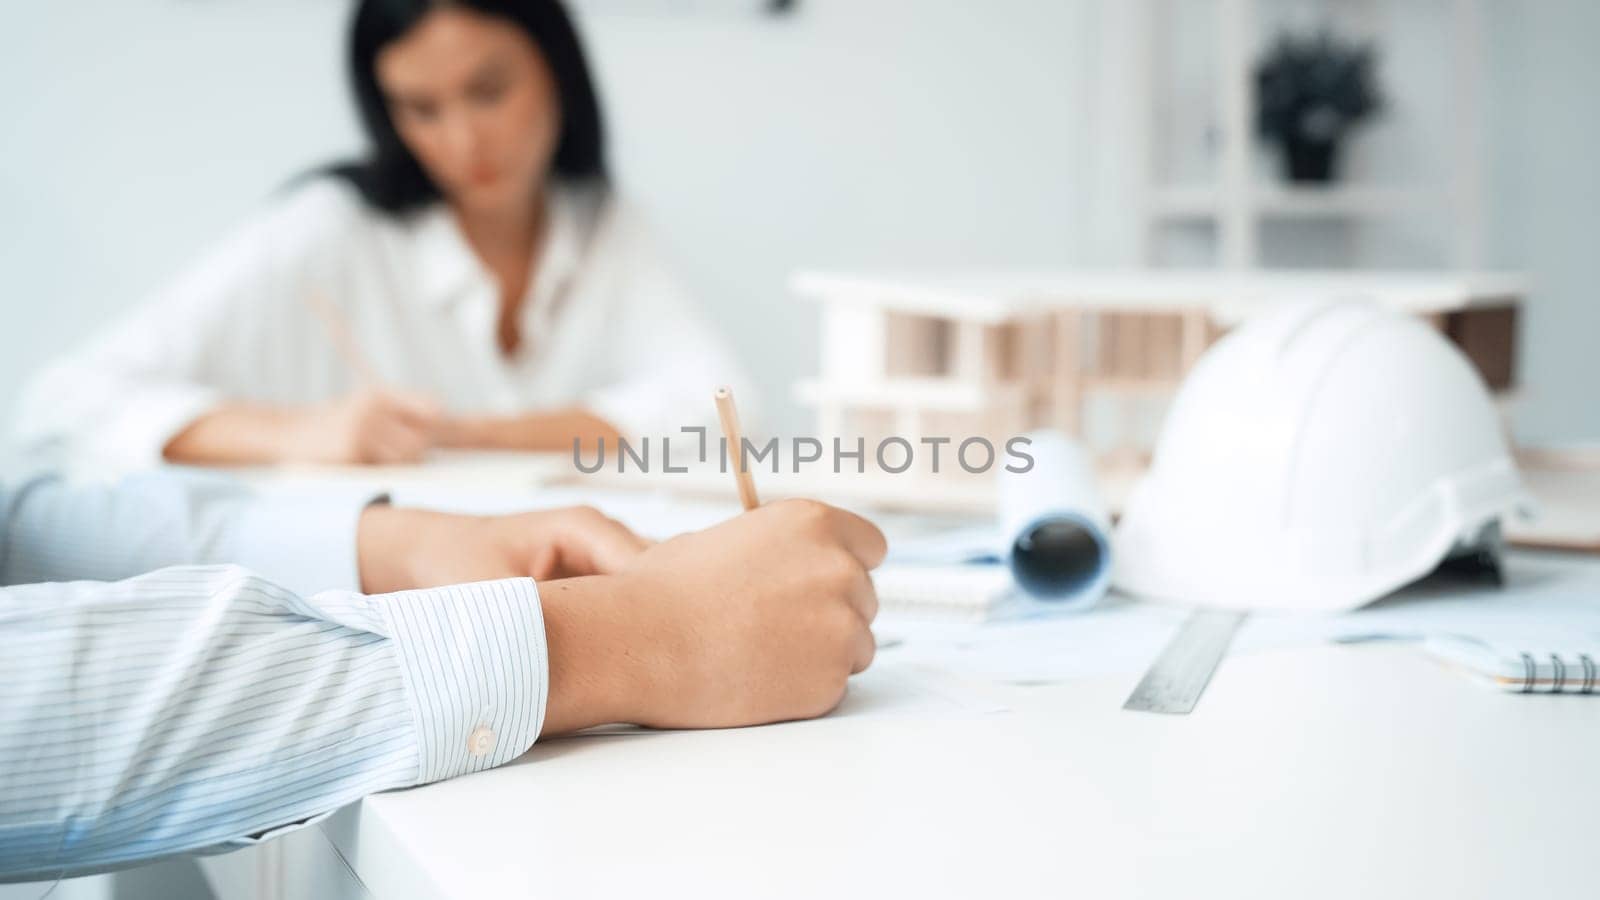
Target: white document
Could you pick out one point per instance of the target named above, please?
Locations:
(1123, 636)
(1118, 635)
(949, 546)
(960, 592)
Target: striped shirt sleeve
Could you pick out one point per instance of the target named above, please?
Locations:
(52, 531)
(195, 707)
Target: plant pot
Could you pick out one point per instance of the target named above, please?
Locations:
(1311, 162)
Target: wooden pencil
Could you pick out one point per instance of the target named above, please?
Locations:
(344, 341)
(730, 430)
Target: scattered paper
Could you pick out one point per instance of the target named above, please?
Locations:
(1122, 635)
(1119, 635)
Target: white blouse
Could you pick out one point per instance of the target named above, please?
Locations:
(606, 326)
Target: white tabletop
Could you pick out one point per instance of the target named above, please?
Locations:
(1320, 772)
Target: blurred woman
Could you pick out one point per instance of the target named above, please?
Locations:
(473, 282)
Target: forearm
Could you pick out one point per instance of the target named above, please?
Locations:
(599, 663)
(539, 431)
(194, 707)
(234, 434)
(53, 531)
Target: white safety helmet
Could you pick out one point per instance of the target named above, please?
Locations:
(1317, 458)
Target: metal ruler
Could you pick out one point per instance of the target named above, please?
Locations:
(1180, 674)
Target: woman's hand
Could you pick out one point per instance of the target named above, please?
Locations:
(545, 430)
(759, 619)
(401, 549)
(367, 427)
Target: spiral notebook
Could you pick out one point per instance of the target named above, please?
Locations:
(964, 592)
(1536, 662)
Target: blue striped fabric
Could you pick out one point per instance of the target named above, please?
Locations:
(194, 707)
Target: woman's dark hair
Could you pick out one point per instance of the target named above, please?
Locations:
(390, 178)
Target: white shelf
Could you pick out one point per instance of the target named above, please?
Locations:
(1185, 203)
(1201, 203)
(1343, 200)
(1237, 202)
(922, 393)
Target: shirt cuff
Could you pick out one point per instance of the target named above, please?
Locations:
(303, 541)
(477, 671)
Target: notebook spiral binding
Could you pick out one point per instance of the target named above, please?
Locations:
(1559, 679)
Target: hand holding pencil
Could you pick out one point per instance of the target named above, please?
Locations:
(762, 618)
(374, 424)
(363, 428)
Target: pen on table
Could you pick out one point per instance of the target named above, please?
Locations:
(730, 430)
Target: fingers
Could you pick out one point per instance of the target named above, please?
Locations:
(848, 581)
(862, 538)
(546, 563)
(865, 647)
(388, 428)
(850, 641)
(595, 544)
(568, 543)
(417, 409)
(863, 597)
(393, 441)
(859, 546)
(859, 537)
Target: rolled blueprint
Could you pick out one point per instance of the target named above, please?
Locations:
(1056, 522)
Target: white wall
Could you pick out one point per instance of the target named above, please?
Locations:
(858, 133)
(874, 133)
(134, 130)
(1545, 202)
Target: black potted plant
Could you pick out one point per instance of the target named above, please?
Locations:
(1310, 93)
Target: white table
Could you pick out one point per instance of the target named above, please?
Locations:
(1328, 771)
(1322, 772)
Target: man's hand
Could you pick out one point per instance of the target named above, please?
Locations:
(760, 619)
(401, 549)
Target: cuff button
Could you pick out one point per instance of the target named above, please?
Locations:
(480, 742)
